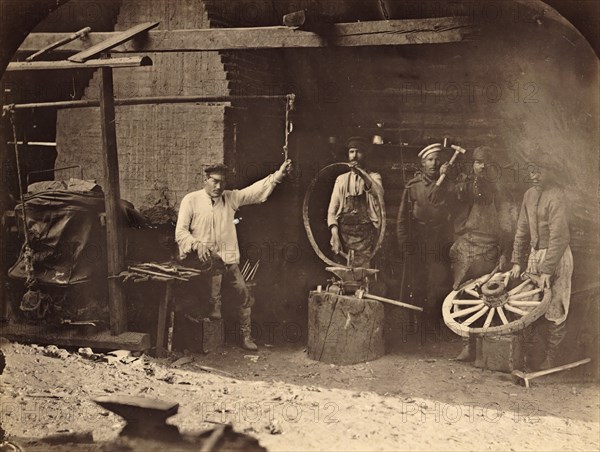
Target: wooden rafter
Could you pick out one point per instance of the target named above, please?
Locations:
(89, 64)
(114, 41)
(372, 33)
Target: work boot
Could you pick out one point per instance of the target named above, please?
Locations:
(248, 343)
(215, 313)
(245, 329)
(548, 362)
(467, 354)
(556, 333)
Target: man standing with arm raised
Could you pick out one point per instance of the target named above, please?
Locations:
(205, 226)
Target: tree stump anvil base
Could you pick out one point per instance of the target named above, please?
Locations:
(343, 329)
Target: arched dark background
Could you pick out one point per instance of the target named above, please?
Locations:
(566, 126)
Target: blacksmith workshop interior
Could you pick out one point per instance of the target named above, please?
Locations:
(93, 261)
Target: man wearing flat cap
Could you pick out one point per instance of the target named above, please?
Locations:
(206, 229)
(354, 217)
(424, 233)
(482, 227)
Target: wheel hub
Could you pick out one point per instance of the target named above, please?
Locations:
(493, 294)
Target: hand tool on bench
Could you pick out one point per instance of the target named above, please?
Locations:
(457, 150)
(72, 37)
(525, 377)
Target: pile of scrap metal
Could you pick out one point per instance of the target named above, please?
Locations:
(161, 272)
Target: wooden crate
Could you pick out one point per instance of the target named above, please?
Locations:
(500, 353)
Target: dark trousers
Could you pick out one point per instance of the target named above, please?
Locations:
(231, 274)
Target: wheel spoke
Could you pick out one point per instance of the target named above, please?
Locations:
(506, 279)
(475, 316)
(490, 316)
(502, 315)
(465, 312)
(520, 296)
(515, 310)
(524, 302)
(519, 287)
(472, 292)
(466, 302)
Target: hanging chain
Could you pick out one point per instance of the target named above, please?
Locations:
(289, 127)
(27, 251)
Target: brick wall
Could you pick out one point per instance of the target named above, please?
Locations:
(161, 147)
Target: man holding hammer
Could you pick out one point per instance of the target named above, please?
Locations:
(482, 229)
(424, 233)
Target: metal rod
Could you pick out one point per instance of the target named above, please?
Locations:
(397, 303)
(254, 270)
(78, 34)
(139, 101)
(49, 144)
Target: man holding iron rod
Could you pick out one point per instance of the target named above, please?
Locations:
(206, 227)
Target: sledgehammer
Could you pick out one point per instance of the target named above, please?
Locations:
(457, 150)
(524, 377)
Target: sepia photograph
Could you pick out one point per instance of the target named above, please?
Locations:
(299, 225)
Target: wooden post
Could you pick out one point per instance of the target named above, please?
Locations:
(112, 196)
(161, 324)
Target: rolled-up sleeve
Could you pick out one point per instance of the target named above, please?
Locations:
(335, 202)
(256, 193)
(183, 235)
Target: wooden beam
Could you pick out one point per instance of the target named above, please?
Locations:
(373, 33)
(135, 61)
(113, 41)
(142, 101)
(43, 334)
(112, 197)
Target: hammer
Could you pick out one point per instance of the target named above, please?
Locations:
(524, 377)
(457, 150)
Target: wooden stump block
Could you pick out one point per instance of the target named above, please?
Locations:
(500, 353)
(198, 335)
(343, 329)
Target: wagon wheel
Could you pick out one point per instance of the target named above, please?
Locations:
(309, 233)
(499, 306)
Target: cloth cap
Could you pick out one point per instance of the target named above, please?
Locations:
(483, 154)
(360, 143)
(436, 147)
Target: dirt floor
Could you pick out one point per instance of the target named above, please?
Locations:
(403, 401)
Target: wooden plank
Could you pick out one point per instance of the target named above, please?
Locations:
(112, 42)
(356, 34)
(104, 340)
(112, 196)
(90, 64)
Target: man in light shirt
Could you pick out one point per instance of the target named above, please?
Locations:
(354, 217)
(205, 226)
